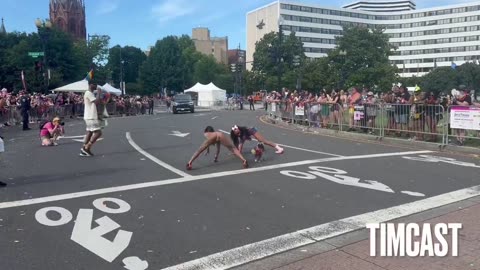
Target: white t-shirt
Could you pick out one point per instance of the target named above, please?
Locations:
(90, 112)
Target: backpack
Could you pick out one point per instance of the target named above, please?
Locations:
(42, 124)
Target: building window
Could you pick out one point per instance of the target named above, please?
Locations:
(306, 9)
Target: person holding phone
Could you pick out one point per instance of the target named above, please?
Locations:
(50, 131)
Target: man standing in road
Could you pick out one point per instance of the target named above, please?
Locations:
(94, 125)
(151, 104)
(25, 108)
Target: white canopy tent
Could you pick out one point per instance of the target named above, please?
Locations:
(208, 95)
(112, 90)
(80, 86)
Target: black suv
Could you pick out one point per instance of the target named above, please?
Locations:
(182, 103)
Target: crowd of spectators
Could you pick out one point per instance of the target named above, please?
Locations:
(66, 105)
(413, 114)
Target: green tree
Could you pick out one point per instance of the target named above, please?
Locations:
(206, 69)
(164, 67)
(442, 79)
(316, 75)
(132, 58)
(469, 75)
(361, 59)
(276, 55)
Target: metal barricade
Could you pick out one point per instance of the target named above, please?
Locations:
(299, 114)
(463, 126)
(419, 121)
(366, 118)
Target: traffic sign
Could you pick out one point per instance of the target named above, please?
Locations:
(36, 54)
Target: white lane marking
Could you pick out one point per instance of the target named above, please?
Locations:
(297, 148)
(415, 194)
(82, 140)
(72, 137)
(255, 251)
(213, 118)
(154, 159)
(190, 178)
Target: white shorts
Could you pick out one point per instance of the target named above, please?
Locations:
(95, 125)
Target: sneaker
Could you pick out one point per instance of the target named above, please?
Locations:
(279, 150)
(88, 152)
(55, 144)
(189, 166)
(84, 152)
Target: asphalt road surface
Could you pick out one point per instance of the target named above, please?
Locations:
(133, 206)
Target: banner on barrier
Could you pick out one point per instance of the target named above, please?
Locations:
(465, 118)
(299, 110)
(274, 107)
(358, 113)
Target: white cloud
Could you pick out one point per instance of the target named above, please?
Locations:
(171, 9)
(107, 6)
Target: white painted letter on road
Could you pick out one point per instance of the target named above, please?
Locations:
(65, 216)
(101, 204)
(93, 240)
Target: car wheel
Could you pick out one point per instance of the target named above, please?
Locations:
(175, 111)
(193, 110)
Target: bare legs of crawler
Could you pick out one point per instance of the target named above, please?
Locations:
(217, 139)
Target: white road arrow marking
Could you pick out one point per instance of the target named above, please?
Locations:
(179, 134)
(93, 240)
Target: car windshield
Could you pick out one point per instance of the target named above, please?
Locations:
(183, 98)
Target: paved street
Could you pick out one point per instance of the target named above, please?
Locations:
(133, 203)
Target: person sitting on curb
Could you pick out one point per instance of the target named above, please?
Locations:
(50, 131)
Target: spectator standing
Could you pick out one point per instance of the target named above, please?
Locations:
(462, 99)
(251, 103)
(25, 105)
(355, 99)
(169, 105)
(2, 149)
(151, 104)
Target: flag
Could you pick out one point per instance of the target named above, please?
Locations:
(89, 75)
(23, 82)
(453, 66)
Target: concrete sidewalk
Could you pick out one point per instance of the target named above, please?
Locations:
(351, 251)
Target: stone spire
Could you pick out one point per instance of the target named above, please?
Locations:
(2, 28)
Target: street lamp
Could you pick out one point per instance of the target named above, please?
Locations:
(342, 53)
(296, 64)
(44, 27)
(278, 52)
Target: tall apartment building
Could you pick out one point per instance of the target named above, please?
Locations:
(425, 38)
(216, 46)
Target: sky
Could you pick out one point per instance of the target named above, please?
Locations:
(141, 23)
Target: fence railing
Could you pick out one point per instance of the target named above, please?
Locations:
(420, 122)
(13, 116)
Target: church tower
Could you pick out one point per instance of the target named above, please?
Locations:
(3, 31)
(69, 16)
